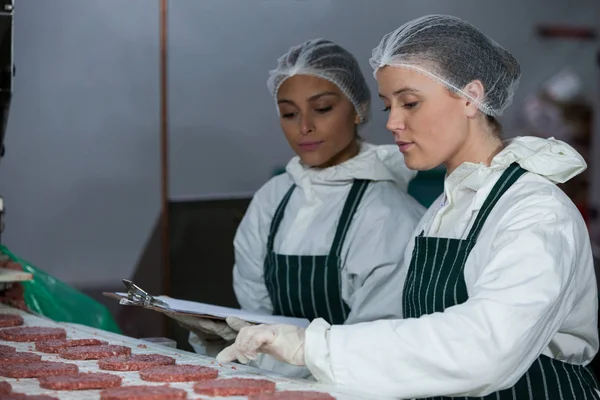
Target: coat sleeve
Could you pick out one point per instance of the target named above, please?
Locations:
(517, 304)
(250, 247)
(375, 256)
(248, 284)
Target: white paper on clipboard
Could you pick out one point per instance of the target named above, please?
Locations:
(202, 310)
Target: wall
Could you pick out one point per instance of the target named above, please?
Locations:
(595, 175)
(81, 173)
(225, 135)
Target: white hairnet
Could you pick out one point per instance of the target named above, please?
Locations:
(324, 59)
(454, 53)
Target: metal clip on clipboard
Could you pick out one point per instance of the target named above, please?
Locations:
(139, 296)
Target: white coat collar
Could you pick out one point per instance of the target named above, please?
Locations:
(375, 163)
(550, 158)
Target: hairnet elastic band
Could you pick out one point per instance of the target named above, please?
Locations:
(360, 110)
(480, 105)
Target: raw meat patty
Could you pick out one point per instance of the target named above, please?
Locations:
(5, 388)
(178, 373)
(32, 333)
(94, 352)
(143, 393)
(55, 346)
(21, 396)
(81, 381)
(10, 264)
(7, 320)
(13, 297)
(18, 357)
(37, 369)
(292, 395)
(7, 349)
(134, 362)
(234, 387)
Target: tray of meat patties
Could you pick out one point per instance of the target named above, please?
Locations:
(70, 361)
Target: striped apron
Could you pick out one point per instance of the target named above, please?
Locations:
(309, 286)
(435, 281)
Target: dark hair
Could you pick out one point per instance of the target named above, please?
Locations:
(494, 124)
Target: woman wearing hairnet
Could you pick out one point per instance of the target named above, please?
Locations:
(327, 238)
(499, 296)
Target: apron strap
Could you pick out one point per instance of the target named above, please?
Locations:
(357, 191)
(278, 217)
(508, 178)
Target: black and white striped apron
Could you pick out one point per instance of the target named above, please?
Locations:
(435, 281)
(309, 286)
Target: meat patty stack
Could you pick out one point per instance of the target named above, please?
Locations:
(14, 296)
(40, 359)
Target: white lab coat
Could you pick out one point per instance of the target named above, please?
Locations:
(530, 279)
(373, 250)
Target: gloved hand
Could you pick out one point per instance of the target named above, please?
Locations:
(211, 330)
(283, 342)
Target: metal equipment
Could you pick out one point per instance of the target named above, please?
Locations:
(7, 72)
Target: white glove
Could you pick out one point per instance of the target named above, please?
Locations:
(282, 342)
(211, 330)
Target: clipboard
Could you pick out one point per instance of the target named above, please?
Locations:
(183, 309)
